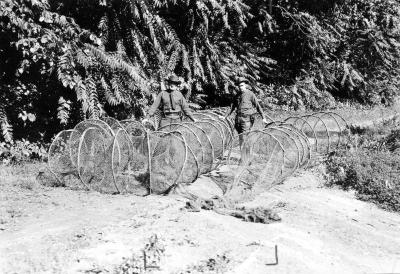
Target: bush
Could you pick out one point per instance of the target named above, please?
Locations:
(392, 141)
(372, 171)
(22, 151)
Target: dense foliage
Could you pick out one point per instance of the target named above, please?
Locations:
(374, 176)
(371, 167)
(22, 151)
(63, 61)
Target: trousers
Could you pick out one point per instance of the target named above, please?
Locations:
(166, 122)
(244, 123)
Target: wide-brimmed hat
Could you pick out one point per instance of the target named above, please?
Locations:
(173, 79)
(241, 80)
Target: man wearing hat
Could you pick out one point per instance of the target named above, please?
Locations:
(171, 103)
(246, 105)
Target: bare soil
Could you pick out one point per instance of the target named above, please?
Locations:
(48, 229)
(323, 230)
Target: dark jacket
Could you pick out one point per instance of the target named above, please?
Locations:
(246, 104)
(168, 108)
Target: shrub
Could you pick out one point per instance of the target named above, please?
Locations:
(372, 171)
(392, 141)
(22, 151)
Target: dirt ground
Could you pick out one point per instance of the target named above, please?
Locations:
(323, 230)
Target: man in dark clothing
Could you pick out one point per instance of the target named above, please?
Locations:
(246, 105)
(171, 103)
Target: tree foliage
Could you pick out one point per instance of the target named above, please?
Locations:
(63, 61)
(46, 55)
(345, 49)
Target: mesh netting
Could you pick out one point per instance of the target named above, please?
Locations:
(92, 165)
(325, 131)
(262, 163)
(60, 156)
(113, 156)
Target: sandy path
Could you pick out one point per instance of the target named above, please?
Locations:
(322, 231)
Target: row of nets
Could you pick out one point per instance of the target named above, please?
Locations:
(271, 153)
(113, 156)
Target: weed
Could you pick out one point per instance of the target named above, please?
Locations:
(131, 265)
(216, 265)
(392, 141)
(149, 259)
(14, 213)
(22, 151)
(27, 184)
(372, 169)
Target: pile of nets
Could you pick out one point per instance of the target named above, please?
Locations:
(113, 156)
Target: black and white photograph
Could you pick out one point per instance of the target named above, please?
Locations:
(199, 136)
